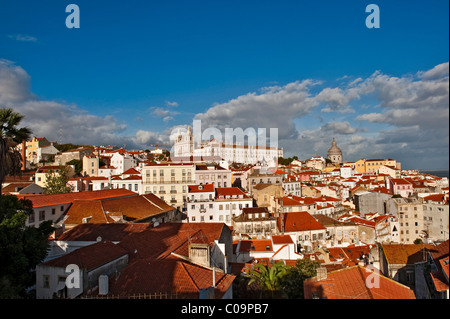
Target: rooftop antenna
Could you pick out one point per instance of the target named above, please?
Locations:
(60, 134)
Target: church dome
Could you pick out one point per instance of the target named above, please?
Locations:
(334, 153)
(334, 150)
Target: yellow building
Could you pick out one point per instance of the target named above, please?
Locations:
(40, 175)
(33, 145)
(373, 165)
(169, 181)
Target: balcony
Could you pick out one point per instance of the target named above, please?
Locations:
(173, 191)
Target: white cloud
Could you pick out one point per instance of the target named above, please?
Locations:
(174, 104)
(439, 71)
(47, 118)
(23, 38)
(412, 110)
(274, 107)
(14, 83)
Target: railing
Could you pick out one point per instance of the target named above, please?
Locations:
(156, 295)
(152, 182)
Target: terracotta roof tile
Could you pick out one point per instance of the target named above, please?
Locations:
(299, 221)
(256, 245)
(403, 254)
(201, 188)
(67, 198)
(90, 257)
(168, 276)
(350, 283)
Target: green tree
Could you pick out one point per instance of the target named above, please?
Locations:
(293, 281)
(78, 165)
(56, 182)
(21, 247)
(10, 137)
(269, 278)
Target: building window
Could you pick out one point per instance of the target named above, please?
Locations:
(46, 281)
(41, 215)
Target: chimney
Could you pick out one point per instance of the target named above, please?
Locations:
(321, 273)
(24, 159)
(103, 285)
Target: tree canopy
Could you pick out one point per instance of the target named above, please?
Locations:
(278, 280)
(21, 247)
(10, 137)
(56, 182)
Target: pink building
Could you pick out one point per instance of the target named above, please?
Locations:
(400, 186)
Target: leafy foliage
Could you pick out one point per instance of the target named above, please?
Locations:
(278, 280)
(78, 165)
(56, 182)
(70, 146)
(269, 278)
(10, 137)
(293, 282)
(286, 161)
(21, 247)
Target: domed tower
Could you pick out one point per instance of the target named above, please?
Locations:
(334, 153)
(184, 143)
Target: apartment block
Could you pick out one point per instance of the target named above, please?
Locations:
(169, 181)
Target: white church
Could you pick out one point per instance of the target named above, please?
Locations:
(184, 149)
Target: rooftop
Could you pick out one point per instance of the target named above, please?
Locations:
(67, 198)
(351, 283)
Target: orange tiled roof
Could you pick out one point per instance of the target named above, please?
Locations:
(201, 188)
(350, 283)
(403, 254)
(171, 276)
(159, 242)
(90, 257)
(87, 209)
(282, 239)
(225, 191)
(256, 245)
(299, 221)
(66, 198)
(134, 208)
(112, 232)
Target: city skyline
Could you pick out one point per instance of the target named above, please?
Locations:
(135, 71)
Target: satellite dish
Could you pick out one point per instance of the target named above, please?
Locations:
(99, 239)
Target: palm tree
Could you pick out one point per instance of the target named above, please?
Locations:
(269, 278)
(10, 137)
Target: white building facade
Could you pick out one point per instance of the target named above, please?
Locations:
(232, 153)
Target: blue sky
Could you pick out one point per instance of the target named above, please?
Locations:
(148, 66)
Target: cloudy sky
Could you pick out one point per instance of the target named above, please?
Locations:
(136, 70)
